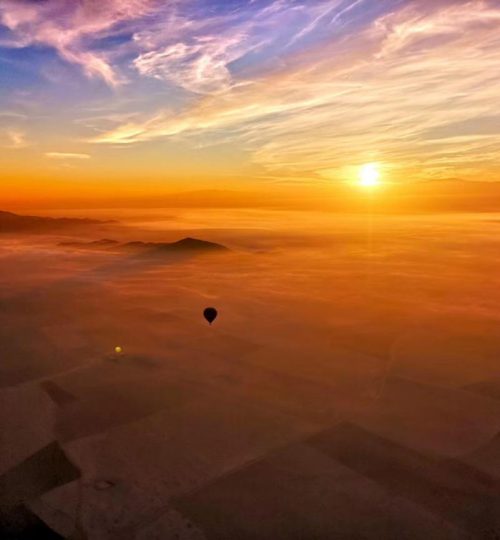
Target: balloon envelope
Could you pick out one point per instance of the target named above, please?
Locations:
(210, 314)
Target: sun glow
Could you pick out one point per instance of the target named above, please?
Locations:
(369, 175)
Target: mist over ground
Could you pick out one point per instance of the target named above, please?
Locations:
(338, 336)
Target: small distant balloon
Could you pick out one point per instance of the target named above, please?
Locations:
(210, 314)
(118, 349)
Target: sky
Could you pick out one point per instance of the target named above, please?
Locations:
(137, 98)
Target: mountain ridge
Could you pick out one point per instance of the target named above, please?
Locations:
(187, 244)
(10, 222)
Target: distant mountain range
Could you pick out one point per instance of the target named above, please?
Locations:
(151, 248)
(97, 244)
(10, 222)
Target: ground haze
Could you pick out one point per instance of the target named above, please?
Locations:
(349, 388)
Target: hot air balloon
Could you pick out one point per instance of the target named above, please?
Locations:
(210, 314)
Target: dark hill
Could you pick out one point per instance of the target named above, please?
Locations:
(104, 243)
(184, 246)
(10, 222)
(181, 246)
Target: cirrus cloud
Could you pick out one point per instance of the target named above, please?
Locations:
(375, 94)
(301, 86)
(66, 155)
(68, 26)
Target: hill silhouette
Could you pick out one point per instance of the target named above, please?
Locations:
(103, 243)
(10, 222)
(186, 245)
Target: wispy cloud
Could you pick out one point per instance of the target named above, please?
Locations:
(13, 138)
(201, 67)
(373, 94)
(66, 155)
(200, 53)
(331, 14)
(69, 26)
(302, 87)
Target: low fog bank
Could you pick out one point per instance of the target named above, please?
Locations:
(387, 324)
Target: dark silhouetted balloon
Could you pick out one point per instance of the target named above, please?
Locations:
(210, 314)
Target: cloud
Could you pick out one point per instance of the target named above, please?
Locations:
(190, 44)
(69, 26)
(331, 14)
(201, 67)
(13, 138)
(370, 95)
(66, 155)
(302, 87)
(201, 53)
(12, 115)
(17, 138)
(13, 130)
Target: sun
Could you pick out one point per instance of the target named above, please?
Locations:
(369, 175)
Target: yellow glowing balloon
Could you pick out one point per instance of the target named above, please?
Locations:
(369, 175)
(118, 350)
